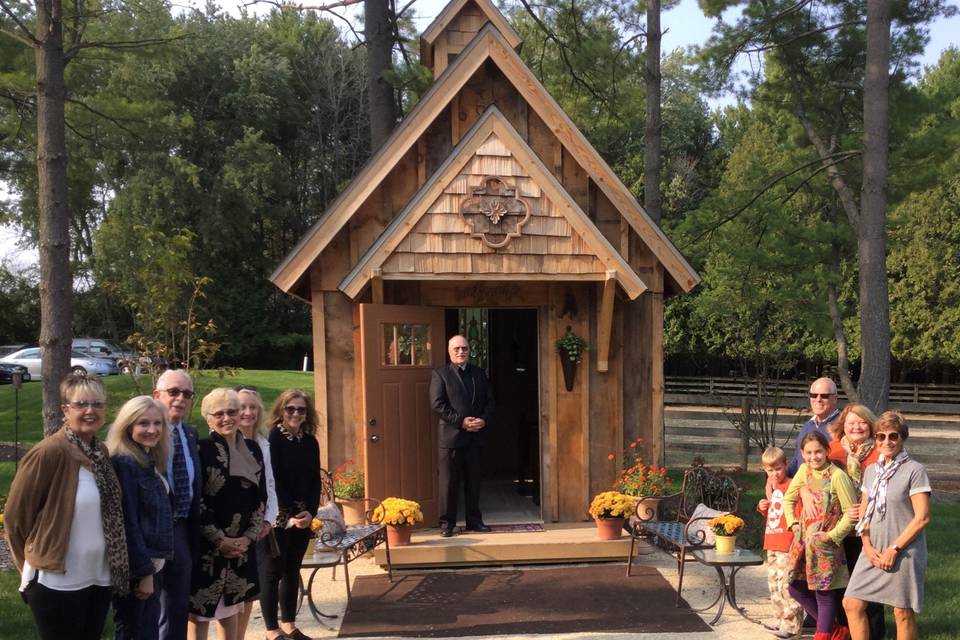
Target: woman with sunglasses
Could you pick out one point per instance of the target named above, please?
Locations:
(232, 502)
(64, 521)
(896, 509)
(295, 456)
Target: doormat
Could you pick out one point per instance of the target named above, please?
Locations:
(508, 528)
(596, 599)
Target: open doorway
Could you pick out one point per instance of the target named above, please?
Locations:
(504, 343)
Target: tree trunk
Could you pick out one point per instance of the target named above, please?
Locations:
(653, 124)
(56, 283)
(871, 236)
(378, 31)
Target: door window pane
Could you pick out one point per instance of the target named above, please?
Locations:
(405, 345)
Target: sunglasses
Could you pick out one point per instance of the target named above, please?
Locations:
(290, 410)
(823, 396)
(230, 413)
(174, 392)
(83, 404)
(245, 387)
(893, 436)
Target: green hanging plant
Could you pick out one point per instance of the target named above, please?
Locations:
(571, 345)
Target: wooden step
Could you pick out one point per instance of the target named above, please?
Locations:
(558, 543)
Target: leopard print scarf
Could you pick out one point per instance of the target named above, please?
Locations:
(111, 511)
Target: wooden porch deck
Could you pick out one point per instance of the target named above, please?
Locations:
(557, 543)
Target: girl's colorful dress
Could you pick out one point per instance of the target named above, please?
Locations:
(825, 565)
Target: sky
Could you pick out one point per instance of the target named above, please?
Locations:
(683, 26)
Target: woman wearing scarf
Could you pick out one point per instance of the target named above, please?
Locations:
(139, 443)
(232, 501)
(64, 521)
(896, 509)
(854, 449)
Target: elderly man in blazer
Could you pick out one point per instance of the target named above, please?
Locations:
(175, 391)
(460, 394)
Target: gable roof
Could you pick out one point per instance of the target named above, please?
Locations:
(443, 20)
(488, 44)
(492, 123)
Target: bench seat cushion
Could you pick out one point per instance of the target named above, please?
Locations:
(671, 531)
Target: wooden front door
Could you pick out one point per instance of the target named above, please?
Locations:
(400, 346)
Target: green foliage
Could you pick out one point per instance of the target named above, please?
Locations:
(571, 346)
(924, 268)
(20, 301)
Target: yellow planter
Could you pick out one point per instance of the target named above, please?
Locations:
(726, 544)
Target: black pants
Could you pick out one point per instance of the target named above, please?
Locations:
(174, 589)
(852, 547)
(460, 467)
(280, 581)
(78, 615)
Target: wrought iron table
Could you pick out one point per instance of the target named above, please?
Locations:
(728, 581)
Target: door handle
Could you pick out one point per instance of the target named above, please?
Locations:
(374, 438)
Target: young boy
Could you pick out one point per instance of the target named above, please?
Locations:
(776, 541)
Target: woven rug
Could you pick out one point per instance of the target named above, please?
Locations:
(598, 598)
(508, 528)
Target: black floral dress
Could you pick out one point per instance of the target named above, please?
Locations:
(230, 506)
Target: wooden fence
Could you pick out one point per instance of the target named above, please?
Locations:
(927, 398)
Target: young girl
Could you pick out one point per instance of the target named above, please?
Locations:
(138, 441)
(824, 568)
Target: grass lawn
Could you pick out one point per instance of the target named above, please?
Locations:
(122, 388)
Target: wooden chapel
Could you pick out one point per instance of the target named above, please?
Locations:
(487, 202)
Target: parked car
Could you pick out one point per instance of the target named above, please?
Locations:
(7, 349)
(79, 362)
(7, 370)
(103, 348)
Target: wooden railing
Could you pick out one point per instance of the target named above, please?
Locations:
(936, 398)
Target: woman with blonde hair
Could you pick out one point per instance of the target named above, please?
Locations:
(253, 426)
(139, 444)
(232, 502)
(295, 455)
(64, 521)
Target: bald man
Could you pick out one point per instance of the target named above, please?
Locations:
(823, 404)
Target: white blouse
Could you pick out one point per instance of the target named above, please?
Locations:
(85, 564)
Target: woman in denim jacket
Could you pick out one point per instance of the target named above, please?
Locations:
(138, 441)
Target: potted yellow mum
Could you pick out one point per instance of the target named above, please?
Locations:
(726, 527)
(399, 516)
(609, 509)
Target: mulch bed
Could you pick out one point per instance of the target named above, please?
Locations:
(598, 598)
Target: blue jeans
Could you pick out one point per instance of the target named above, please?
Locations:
(135, 619)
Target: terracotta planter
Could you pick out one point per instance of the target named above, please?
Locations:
(398, 536)
(726, 544)
(569, 371)
(609, 528)
(354, 511)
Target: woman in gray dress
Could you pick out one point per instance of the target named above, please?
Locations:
(896, 508)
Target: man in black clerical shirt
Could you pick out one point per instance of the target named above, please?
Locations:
(460, 394)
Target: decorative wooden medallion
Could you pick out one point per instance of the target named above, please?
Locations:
(494, 213)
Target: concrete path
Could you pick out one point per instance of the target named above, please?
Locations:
(700, 586)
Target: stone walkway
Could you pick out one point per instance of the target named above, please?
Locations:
(700, 586)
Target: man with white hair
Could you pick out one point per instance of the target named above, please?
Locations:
(175, 391)
(823, 403)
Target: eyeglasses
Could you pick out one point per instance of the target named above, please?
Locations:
(245, 387)
(230, 413)
(893, 436)
(461, 348)
(174, 392)
(290, 410)
(83, 404)
(823, 396)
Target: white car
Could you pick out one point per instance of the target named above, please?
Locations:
(79, 363)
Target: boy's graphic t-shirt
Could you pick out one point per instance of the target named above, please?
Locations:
(776, 536)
